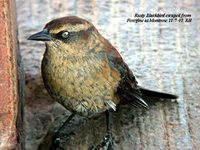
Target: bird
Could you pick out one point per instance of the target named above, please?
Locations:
(86, 74)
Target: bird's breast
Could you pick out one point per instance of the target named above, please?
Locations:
(80, 84)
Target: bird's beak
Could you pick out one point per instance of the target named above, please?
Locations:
(41, 36)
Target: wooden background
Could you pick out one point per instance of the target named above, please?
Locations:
(163, 56)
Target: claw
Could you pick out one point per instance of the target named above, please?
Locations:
(106, 144)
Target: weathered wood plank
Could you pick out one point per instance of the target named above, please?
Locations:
(163, 56)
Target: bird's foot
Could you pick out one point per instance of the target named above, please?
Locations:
(106, 144)
(56, 144)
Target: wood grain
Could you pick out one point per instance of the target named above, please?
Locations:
(163, 56)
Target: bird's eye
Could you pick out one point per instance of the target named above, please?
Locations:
(65, 34)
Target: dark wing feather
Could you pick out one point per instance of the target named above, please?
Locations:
(127, 89)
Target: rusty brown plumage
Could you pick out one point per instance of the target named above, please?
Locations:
(84, 72)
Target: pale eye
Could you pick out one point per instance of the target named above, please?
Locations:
(65, 34)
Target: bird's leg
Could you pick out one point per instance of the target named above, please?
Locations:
(108, 139)
(107, 143)
(56, 142)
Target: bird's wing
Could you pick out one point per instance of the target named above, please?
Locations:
(127, 88)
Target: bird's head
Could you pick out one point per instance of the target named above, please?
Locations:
(68, 34)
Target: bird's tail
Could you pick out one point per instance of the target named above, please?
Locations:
(156, 94)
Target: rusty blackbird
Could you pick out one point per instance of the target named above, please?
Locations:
(85, 73)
